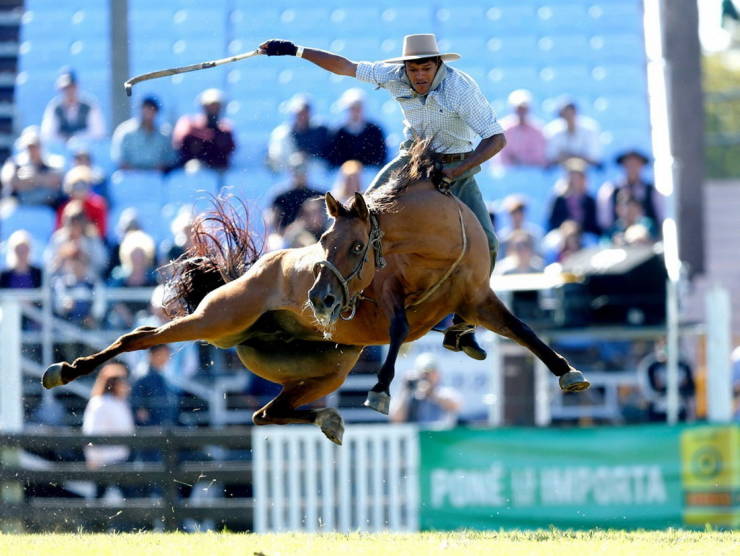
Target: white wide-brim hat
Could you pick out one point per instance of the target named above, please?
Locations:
(416, 47)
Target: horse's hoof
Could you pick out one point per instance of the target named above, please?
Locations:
(53, 376)
(379, 401)
(574, 381)
(331, 425)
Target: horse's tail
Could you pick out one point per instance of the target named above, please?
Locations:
(223, 248)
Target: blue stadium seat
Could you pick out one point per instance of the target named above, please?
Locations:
(624, 138)
(356, 48)
(244, 80)
(563, 49)
(183, 187)
(254, 23)
(510, 18)
(624, 17)
(34, 89)
(251, 147)
(356, 21)
(37, 221)
(563, 79)
(622, 111)
(462, 16)
(501, 80)
(627, 48)
(150, 218)
(558, 18)
(513, 48)
(468, 47)
(203, 23)
(297, 19)
(133, 188)
(618, 78)
(400, 20)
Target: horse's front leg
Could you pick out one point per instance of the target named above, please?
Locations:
(379, 397)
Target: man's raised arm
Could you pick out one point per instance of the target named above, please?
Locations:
(327, 60)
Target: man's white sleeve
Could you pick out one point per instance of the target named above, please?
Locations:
(477, 112)
(376, 73)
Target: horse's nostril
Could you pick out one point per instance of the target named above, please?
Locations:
(329, 300)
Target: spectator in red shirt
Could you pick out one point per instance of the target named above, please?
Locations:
(525, 142)
(78, 183)
(205, 137)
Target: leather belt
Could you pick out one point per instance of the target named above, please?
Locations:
(454, 157)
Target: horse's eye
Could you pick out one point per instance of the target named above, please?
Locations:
(356, 248)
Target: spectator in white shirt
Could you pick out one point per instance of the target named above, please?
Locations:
(71, 113)
(108, 413)
(572, 136)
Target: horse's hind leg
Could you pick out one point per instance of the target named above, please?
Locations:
(494, 315)
(201, 325)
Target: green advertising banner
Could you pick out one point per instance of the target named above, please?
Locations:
(622, 477)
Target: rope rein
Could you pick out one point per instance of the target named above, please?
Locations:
(450, 270)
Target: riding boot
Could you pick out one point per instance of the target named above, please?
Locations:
(461, 337)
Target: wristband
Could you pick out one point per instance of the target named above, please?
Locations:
(299, 52)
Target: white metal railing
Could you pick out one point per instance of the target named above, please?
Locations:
(35, 305)
(304, 482)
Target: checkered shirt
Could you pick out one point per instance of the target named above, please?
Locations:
(454, 112)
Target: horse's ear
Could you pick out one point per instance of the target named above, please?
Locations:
(359, 207)
(334, 207)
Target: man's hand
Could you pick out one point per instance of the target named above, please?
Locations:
(441, 177)
(277, 47)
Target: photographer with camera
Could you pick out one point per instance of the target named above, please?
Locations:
(423, 400)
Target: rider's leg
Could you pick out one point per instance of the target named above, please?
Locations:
(461, 336)
(382, 177)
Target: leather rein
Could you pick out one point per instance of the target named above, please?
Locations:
(349, 302)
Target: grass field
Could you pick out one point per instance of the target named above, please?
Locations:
(387, 544)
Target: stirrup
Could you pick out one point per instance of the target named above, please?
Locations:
(454, 333)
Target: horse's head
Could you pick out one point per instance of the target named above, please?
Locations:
(351, 249)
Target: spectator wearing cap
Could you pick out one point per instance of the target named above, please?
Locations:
(572, 200)
(516, 208)
(525, 142)
(32, 176)
(206, 137)
(78, 183)
(71, 113)
(572, 135)
(521, 257)
(141, 143)
(357, 139)
(424, 399)
(633, 164)
(286, 206)
(301, 135)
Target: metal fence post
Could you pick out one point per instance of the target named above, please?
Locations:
(11, 398)
(170, 487)
(719, 348)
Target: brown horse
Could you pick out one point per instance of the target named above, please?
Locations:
(301, 317)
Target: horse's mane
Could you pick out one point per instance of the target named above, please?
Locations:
(223, 248)
(421, 162)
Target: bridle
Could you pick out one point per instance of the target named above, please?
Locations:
(349, 303)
